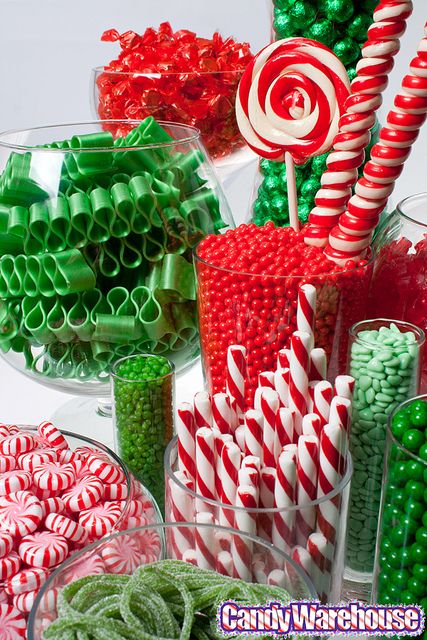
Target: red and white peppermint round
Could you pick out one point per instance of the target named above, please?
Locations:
(186, 432)
(117, 491)
(4, 598)
(24, 601)
(6, 544)
(290, 99)
(9, 565)
(99, 520)
(43, 549)
(17, 443)
(7, 463)
(89, 565)
(52, 505)
(105, 471)
(202, 409)
(270, 404)
(28, 461)
(86, 493)
(254, 426)
(54, 477)
(135, 508)
(52, 435)
(12, 623)
(66, 527)
(66, 456)
(26, 580)
(122, 555)
(12, 481)
(236, 375)
(20, 513)
(4, 431)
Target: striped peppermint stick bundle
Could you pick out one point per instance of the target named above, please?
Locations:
(230, 464)
(267, 481)
(284, 497)
(301, 345)
(340, 413)
(306, 309)
(221, 413)
(254, 427)
(236, 375)
(332, 460)
(344, 387)
(269, 408)
(318, 364)
(242, 550)
(281, 384)
(206, 550)
(285, 431)
(186, 432)
(308, 460)
(323, 393)
(202, 409)
(205, 465)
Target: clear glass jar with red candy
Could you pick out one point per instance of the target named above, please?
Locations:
(254, 304)
(399, 286)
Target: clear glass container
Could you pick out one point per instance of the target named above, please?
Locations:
(399, 285)
(386, 366)
(143, 404)
(259, 312)
(125, 552)
(401, 557)
(96, 235)
(325, 567)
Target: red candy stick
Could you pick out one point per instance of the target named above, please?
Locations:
(236, 375)
(186, 431)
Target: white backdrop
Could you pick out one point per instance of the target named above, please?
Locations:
(47, 49)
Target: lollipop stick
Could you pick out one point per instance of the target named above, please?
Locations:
(292, 192)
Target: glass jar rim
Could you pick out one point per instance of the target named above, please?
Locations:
(369, 261)
(116, 376)
(189, 135)
(159, 74)
(398, 444)
(413, 328)
(344, 482)
(164, 526)
(408, 201)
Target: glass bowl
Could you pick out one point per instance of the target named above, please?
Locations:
(96, 234)
(122, 553)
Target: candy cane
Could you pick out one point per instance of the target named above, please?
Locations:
(306, 309)
(284, 497)
(269, 408)
(181, 509)
(281, 385)
(344, 387)
(321, 553)
(205, 465)
(254, 426)
(322, 400)
(246, 498)
(236, 374)
(308, 459)
(205, 541)
(318, 364)
(221, 413)
(311, 425)
(186, 432)
(340, 413)
(266, 379)
(285, 431)
(301, 345)
(202, 409)
(230, 464)
(267, 481)
(283, 358)
(333, 449)
(389, 24)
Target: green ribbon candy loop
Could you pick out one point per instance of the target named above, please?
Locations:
(124, 208)
(145, 202)
(103, 215)
(18, 221)
(80, 218)
(16, 185)
(116, 329)
(88, 161)
(59, 221)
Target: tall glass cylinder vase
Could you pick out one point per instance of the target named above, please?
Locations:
(385, 361)
(400, 575)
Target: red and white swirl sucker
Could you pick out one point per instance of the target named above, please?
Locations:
(290, 99)
(355, 125)
(354, 232)
(186, 432)
(236, 375)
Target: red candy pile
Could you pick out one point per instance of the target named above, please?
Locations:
(53, 502)
(197, 86)
(248, 295)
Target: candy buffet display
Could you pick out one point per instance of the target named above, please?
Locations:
(385, 363)
(58, 493)
(401, 562)
(143, 389)
(399, 286)
(97, 234)
(278, 469)
(177, 77)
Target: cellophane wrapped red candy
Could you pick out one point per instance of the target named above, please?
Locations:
(178, 77)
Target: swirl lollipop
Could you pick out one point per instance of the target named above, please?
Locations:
(289, 103)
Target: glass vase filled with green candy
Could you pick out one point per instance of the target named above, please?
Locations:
(400, 575)
(341, 25)
(97, 226)
(136, 585)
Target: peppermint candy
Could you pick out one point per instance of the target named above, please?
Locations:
(118, 491)
(52, 436)
(105, 470)
(83, 495)
(12, 623)
(28, 461)
(66, 527)
(43, 549)
(290, 99)
(90, 566)
(99, 520)
(17, 443)
(122, 555)
(6, 544)
(9, 565)
(52, 505)
(24, 601)
(51, 476)
(20, 513)
(7, 463)
(25, 581)
(12, 481)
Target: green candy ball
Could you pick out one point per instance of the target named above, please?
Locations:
(412, 439)
(337, 10)
(419, 413)
(418, 554)
(318, 164)
(358, 27)
(302, 14)
(347, 51)
(303, 212)
(420, 572)
(400, 425)
(322, 31)
(284, 26)
(310, 188)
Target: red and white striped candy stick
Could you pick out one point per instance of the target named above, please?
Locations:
(251, 462)
(257, 397)
(181, 509)
(249, 475)
(284, 497)
(190, 556)
(322, 400)
(267, 480)
(344, 387)
(354, 127)
(236, 375)
(266, 379)
(340, 413)
(310, 395)
(221, 413)
(306, 309)
(307, 469)
(186, 432)
(318, 364)
(231, 458)
(283, 358)
(206, 551)
(269, 407)
(301, 556)
(242, 549)
(321, 553)
(311, 425)
(202, 409)
(224, 563)
(205, 465)
(301, 345)
(239, 436)
(332, 462)
(281, 384)
(220, 440)
(285, 432)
